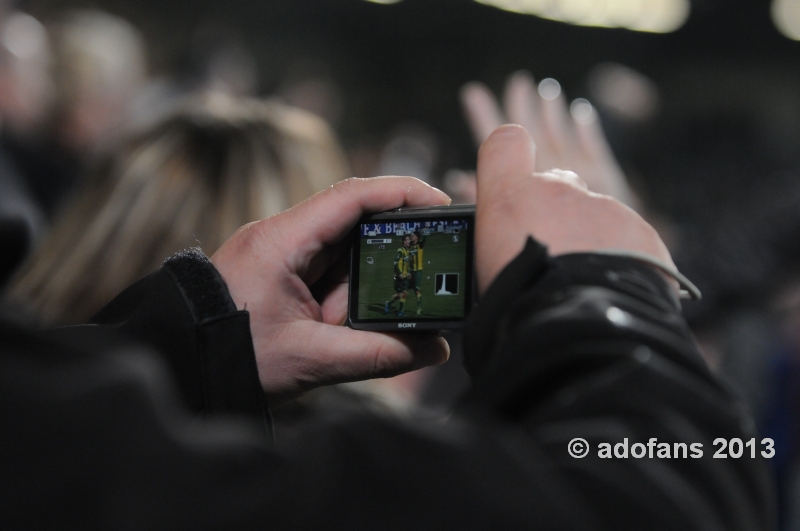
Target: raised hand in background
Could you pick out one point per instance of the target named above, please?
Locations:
(570, 139)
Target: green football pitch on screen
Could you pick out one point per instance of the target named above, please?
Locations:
(442, 284)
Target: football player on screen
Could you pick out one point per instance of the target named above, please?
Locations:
(416, 262)
(402, 277)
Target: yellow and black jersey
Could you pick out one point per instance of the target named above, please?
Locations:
(416, 255)
(401, 260)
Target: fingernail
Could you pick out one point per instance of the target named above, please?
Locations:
(509, 130)
(467, 89)
(513, 131)
(444, 194)
(523, 74)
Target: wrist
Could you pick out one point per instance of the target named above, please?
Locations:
(201, 284)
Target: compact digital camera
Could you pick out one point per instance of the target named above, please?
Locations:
(412, 269)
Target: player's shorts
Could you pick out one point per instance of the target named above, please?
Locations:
(416, 279)
(401, 284)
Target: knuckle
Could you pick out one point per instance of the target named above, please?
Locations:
(564, 177)
(346, 186)
(555, 187)
(382, 362)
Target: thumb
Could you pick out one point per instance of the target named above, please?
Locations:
(506, 157)
(506, 162)
(320, 354)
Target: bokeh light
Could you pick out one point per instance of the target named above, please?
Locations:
(656, 16)
(582, 111)
(549, 89)
(786, 16)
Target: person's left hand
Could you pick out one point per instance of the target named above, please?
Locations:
(290, 272)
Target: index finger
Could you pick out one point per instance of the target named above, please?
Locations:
(327, 216)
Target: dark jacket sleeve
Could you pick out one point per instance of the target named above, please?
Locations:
(594, 347)
(184, 312)
(575, 346)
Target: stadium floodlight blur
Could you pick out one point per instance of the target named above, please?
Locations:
(655, 16)
(786, 16)
(384, 1)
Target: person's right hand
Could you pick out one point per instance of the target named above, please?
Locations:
(556, 208)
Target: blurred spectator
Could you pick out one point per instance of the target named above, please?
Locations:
(193, 179)
(26, 93)
(216, 59)
(100, 68)
(26, 84)
(310, 85)
(66, 96)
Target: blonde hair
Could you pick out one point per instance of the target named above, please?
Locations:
(193, 179)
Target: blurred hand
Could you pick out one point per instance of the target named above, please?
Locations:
(555, 207)
(571, 140)
(290, 272)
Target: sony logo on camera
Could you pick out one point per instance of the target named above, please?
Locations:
(406, 325)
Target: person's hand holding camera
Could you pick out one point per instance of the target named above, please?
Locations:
(290, 272)
(554, 207)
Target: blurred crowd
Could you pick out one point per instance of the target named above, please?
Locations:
(114, 170)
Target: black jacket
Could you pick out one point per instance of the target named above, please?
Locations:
(153, 418)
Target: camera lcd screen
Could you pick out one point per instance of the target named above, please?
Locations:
(412, 271)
